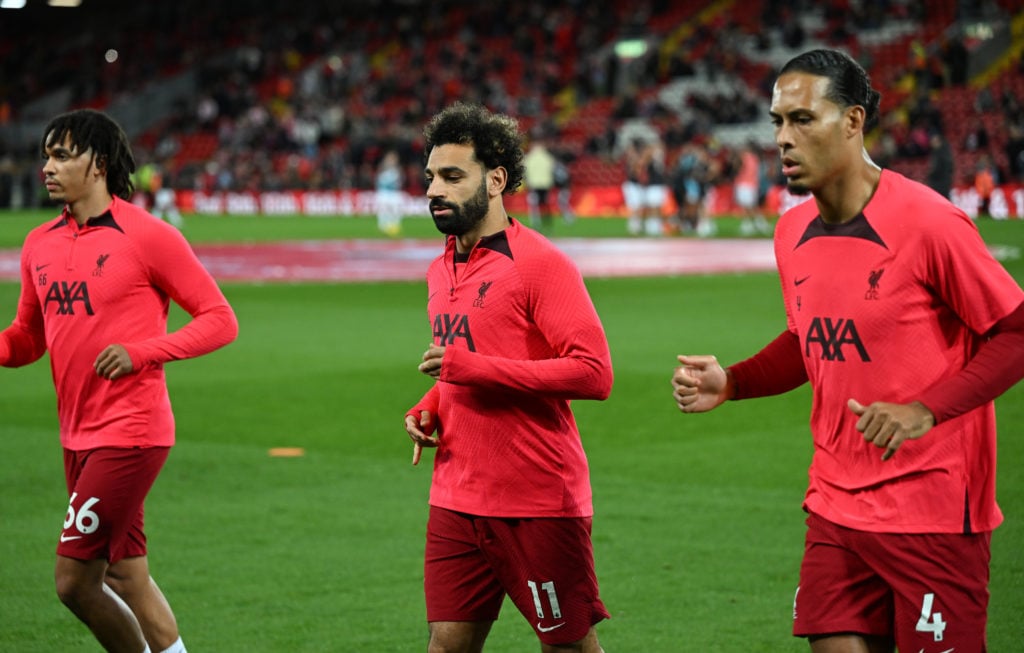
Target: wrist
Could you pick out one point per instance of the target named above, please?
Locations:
(730, 385)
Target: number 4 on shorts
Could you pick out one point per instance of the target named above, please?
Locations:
(930, 622)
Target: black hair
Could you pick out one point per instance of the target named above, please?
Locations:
(495, 137)
(849, 84)
(91, 129)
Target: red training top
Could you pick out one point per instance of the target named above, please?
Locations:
(521, 340)
(892, 306)
(109, 282)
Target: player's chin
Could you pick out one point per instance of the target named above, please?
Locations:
(796, 187)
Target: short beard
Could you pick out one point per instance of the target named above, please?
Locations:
(463, 217)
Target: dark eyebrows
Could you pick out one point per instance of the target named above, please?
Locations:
(792, 113)
(446, 170)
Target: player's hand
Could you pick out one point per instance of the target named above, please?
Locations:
(421, 432)
(699, 384)
(113, 362)
(890, 425)
(431, 365)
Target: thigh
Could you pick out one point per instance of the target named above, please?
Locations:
(107, 489)
(654, 196)
(458, 580)
(547, 568)
(464, 636)
(839, 592)
(746, 196)
(632, 195)
(940, 586)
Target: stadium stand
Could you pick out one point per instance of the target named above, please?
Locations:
(269, 94)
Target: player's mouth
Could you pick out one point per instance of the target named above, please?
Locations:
(790, 167)
(440, 209)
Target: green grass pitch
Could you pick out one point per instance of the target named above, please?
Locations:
(698, 530)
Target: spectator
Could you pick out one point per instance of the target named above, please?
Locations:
(986, 178)
(940, 165)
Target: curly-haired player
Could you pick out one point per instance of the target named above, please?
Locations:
(515, 338)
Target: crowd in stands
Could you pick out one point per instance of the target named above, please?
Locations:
(305, 95)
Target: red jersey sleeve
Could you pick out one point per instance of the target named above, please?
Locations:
(776, 369)
(563, 312)
(429, 403)
(996, 367)
(175, 269)
(24, 341)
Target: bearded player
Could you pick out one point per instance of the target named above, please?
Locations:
(516, 338)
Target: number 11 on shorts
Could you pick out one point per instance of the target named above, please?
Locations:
(549, 589)
(930, 622)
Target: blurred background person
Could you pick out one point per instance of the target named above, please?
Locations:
(689, 186)
(563, 188)
(940, 165)
(747, 191)
(539, 178)
(644, 189)
(389, 194)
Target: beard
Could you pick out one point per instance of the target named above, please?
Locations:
(463, 217)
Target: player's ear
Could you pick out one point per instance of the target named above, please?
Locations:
(855, 118)
(496, 180)
(99, 165)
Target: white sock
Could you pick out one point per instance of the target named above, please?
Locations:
(176, 647)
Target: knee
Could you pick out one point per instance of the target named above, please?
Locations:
(72, 590)
(78, 582)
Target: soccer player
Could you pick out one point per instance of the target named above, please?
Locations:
(515, 338)
(907, 329)
(95, 286)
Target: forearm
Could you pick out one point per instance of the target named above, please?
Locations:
(429, 402)
(776, 369)
(24, 341)
(995, 368)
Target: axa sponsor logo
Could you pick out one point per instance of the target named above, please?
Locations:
(449, 327)
(834, 339)
(68, 295)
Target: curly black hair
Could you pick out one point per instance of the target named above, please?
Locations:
(495, 137)
(88, 128)
(849, 83)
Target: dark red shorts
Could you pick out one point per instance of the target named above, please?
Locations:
(544, 565)
(108, 488)
(928, 591)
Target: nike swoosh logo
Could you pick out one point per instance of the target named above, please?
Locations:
(797, 282)
(548, 630)
(40, 267)
(68, 538)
